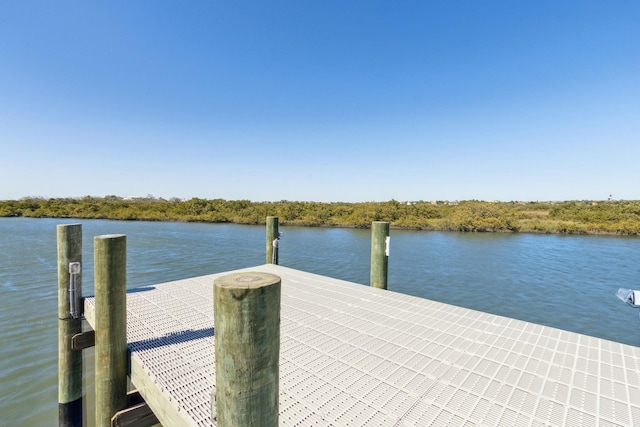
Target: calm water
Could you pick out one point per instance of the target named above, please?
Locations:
(568, 282)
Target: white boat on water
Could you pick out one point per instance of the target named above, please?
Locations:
(630, 297)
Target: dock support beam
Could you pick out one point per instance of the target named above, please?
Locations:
(69, 238)
(379, 254)
(110, 326)
(247, 350)
(272, 240)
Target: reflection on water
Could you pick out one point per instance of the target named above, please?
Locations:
(567, 282)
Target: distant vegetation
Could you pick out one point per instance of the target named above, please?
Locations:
(574, 217)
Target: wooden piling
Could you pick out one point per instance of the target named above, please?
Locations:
(272, 240)
(70, 394)
(379, 254)
(110, 326)
(247, 349)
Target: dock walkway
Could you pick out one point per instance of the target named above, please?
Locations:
(352, 355)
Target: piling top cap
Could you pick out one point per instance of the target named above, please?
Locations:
(68, 225)
(109, 236)
(248, 280)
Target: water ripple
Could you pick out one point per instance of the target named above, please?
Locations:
(567, 282)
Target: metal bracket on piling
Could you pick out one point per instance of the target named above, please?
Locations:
(75, 291)
(276, 248)
(83, 340)
(136, 414)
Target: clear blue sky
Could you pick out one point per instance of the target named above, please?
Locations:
(321, 100)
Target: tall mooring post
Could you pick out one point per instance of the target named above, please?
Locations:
(110, 258)
(379, 254)
(247, 350)
(273, 240)
(69, 238)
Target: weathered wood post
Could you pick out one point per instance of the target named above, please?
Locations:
(247, 349)
(69, 238)
(110, 257)
(379, 254)
(272, 240)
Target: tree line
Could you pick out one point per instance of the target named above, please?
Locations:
(571, 217)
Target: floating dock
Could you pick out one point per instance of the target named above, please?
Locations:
(353, 355)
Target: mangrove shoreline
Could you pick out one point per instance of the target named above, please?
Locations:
(569, 217)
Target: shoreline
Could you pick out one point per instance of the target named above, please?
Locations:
(621, 218)
(575, 232)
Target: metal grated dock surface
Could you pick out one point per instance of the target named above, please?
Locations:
(352, 355)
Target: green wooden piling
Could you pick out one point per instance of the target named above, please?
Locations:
(272, 240)
(379, 254)
(247, 349)
(69, 238)
(110, 326)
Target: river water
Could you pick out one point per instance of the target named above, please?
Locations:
(567, 282)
